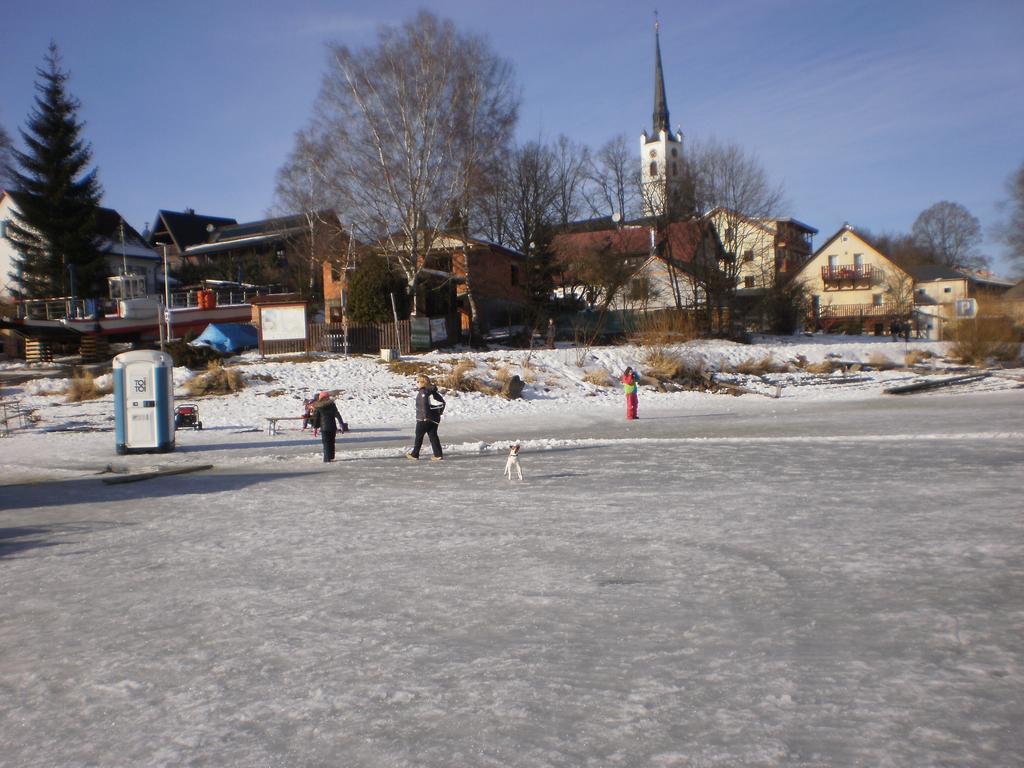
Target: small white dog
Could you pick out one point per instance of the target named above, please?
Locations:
(513, 463)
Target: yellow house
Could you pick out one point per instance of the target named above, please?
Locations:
(852, 284)
(762, 248)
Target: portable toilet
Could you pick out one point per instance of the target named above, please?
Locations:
(144, 402)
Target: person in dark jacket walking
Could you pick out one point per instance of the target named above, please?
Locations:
(428, 416)
(327, 418)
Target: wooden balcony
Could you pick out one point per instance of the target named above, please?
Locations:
(852, 274)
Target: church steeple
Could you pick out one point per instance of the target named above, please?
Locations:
(661, 122)
(661, 154)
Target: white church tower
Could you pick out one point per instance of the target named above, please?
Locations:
(661, 155)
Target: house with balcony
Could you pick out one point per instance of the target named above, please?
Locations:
(855, 286)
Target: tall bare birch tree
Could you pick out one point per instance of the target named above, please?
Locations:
(404, 129)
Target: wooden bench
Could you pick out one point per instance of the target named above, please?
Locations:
(272, 422)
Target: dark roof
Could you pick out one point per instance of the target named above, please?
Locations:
(928, 272)
(279, 225)
(108, 223)
(187, 228)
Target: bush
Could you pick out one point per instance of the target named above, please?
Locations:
(217, 380)
(985, 338)
(193, 358)
(84, 387)
(370, 289)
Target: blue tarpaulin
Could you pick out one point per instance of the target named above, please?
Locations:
(227, 337)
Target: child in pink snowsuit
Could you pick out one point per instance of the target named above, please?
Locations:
(629, 383)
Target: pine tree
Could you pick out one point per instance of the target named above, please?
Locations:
(54, 229)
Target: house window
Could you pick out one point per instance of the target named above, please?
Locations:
(674, 152)
(748, 282)
(748, 255)
(335, 273)
(654, 168)
(833, 262)
(876, 299)
(947, 290)
(514, 276)
(638, 288)
(858, 259)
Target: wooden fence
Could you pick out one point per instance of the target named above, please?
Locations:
(331, 337)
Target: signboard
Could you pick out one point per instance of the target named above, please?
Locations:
(966, 308)
(283, 323)
(438, 329)
(419, 332)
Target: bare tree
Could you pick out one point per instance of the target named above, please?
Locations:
(1011, 231)
(898, 289)
(613, 180)
(571, 161)
(950, 234)
(735, 196)
(302, 188)
(404, 129)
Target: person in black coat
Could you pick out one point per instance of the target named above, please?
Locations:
(327, 418)
(428, 416)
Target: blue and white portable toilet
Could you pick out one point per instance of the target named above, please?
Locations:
(144, 402)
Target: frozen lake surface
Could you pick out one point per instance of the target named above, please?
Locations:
(730, 584)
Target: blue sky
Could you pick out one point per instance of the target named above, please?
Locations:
(867, 111)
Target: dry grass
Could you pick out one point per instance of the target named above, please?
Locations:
(599, 377)
(916, 356)
(217, 380)
(528, 374)
(459, 379)
(661, 328)
(982, 339)
(758, 367)
(661, 364)
(413, 368)
(825, 366)
(881, 362)
(84, 387)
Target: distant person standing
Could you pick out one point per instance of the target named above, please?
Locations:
(894, 330)
(429, 407)
(551, 333)
(327, 418)
(630, 384)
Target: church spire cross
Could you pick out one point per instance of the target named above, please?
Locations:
(661, 121)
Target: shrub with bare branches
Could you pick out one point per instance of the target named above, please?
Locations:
(981, 339)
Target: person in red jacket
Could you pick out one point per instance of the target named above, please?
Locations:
(630, 382)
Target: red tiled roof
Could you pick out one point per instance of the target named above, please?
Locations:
(683, 237)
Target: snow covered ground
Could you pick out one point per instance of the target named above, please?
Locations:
(827, 578)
